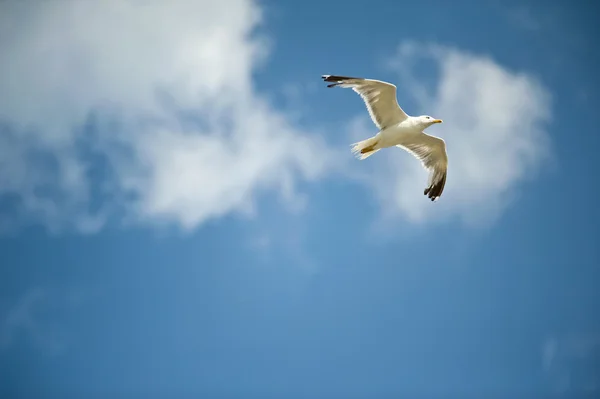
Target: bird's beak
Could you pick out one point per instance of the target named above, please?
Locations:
(437, 121)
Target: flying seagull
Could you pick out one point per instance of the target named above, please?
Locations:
(396, 128)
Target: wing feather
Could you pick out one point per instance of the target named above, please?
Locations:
(431, 151)
(378, 96)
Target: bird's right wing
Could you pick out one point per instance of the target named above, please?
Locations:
(379, 97)
(431, 151)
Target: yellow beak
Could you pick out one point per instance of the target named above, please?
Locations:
(437, 121)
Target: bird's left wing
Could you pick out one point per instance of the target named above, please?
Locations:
(379, 97)
(431, 151)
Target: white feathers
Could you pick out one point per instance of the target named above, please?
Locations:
(396, 128)
(379, 97)
(358, 149)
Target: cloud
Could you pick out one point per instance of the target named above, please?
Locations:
(570, 362)
(530, 18)
(495, 133)
(26, 318)
(142, 109)
(525, 17)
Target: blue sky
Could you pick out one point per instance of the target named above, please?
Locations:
(180, 213)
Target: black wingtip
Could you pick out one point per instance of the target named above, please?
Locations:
(435, 191)
(327, 78)
(336, 79)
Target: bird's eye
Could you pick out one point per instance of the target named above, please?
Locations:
(429, 117)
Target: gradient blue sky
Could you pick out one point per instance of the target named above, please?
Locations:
(181, 215)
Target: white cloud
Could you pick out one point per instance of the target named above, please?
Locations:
(494, 127)
(187, 137)
(138, 67)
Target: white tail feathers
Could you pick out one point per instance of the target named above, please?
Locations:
(364, 149)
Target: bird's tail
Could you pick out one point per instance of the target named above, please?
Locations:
(366, 148)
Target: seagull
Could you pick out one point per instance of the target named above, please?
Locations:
(396, 128)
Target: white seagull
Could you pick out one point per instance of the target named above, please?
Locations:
(396, 128)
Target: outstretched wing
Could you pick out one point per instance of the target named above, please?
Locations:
(379, 97)
(431, 151)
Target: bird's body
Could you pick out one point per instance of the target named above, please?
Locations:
(391, 136)
(396, 128)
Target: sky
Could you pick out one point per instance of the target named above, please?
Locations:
(181, 215)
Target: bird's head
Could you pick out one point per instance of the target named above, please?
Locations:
(427, 120)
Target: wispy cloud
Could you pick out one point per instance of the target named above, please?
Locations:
(570, 362)
(495, 131)
(533, 17)
(161, 93)
(525, 18)
(23, 320)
